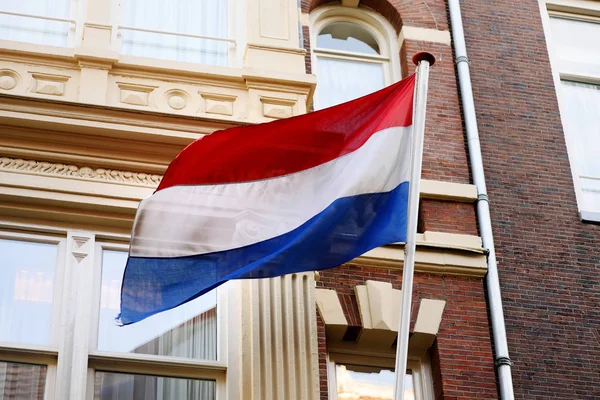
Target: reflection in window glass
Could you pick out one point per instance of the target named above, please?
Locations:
(189, 330)
(115, 386)
(346, 36)
(192, 17)
(342, 80)
(35, 30)
(27, 272)
(22, 381)
(359, 382)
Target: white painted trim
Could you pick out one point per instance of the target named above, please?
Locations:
(581, 7)
(157, 365)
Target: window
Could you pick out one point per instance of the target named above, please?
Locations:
(354, 54)
(28, 272)
(186, 333)
(45, 22)
(576, 59)
(59, 296)
(31, 275)
(180, 30)
(372, 377)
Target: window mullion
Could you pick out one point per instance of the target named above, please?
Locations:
(75, 319)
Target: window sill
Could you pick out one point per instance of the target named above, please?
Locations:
(589, 216)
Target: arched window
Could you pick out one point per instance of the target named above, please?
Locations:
(354, 53)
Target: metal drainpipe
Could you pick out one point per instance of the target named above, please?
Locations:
(502, 361)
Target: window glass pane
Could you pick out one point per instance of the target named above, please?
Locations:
(34, 30)
(373, 383)
(26, 289)
(115, 386)
(22, 381)
(189, 330)
(580, 106)
(347, 36)
(194, 17)
(577, 45)
(341, 80)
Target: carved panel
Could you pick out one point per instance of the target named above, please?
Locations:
(9, 79)
(177, 99)
(137, 95)
(219, 104)
(274, 19)
(50, 84)
(277, 108)
(97, 174)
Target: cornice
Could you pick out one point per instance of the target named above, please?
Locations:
(106, 121)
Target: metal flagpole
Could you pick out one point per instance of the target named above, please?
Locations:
(423, 60)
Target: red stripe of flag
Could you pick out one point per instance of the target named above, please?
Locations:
(290, 145)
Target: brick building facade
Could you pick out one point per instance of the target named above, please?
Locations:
(547, 249)
(94, 107)
(549, 257)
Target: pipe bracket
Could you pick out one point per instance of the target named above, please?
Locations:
(483, 197)
(460, 59)
(500, 361)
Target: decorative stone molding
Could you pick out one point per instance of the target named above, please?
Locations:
(437, 253)
(277, 108)
(177, 99)
(330, 309)
(424, 35)
(429, 318)
(448, 191)
(79, 249)
(279, 338)
(9, 79)
(379, 307)
(218, 104)
(95, 174)
(50, 84)
(137, 95)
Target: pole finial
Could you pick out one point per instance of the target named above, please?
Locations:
(423, 55)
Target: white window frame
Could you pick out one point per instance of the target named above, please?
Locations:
(581, 10)
(81, 360)
(146, 364)
(39, 354)
(235, 15)
(420, 368)
(374, 23)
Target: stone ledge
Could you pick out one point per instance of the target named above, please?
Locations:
(439, 190)
(430, 259)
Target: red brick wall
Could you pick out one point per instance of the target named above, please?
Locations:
(462, 358)
(549, 261)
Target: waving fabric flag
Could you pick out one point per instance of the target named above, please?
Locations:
(301, 194)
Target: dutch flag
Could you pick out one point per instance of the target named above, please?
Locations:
(301, 194)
